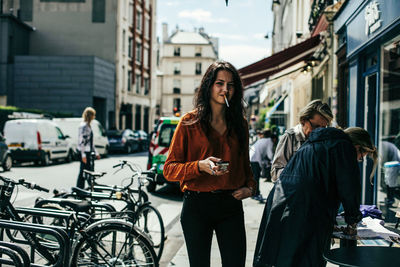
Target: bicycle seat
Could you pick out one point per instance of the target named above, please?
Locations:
(79, 206)
(81, 192)
(94, 174)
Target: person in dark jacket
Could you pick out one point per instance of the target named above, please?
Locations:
(298, 219)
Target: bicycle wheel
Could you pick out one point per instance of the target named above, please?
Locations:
(46, 240)
(149, 220)
(113, 244)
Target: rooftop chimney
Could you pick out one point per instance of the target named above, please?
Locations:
(164, 32)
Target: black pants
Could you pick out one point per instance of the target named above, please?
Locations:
(256, 169)
(88, 166)
(203, 213)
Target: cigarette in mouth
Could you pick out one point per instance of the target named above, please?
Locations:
(226, 101)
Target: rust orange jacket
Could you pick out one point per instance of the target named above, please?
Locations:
(190, 144)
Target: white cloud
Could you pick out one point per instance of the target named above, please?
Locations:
(201, 15)
(243, 55)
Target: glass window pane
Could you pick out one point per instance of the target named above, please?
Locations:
(389, 143)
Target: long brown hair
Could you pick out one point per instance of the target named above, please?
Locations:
(234, 115)
(361, 137)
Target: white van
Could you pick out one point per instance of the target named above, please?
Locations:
(70, 127)
(38, 140)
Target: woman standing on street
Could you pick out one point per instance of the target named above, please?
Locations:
(297, 228)
(86, 145)
(214, 131)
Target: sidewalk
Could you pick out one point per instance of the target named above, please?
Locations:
(253, 211)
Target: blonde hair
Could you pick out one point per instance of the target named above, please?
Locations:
(361, 137)
(88, 114)
(316, 107)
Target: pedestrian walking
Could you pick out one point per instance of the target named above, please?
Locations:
(297, 224)
(215, 131)
(314, 115)
(86, 145)
(261, 155)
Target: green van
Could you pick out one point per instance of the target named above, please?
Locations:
(158, 150)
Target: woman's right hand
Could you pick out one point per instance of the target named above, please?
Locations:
(84, 160)
(208, 166)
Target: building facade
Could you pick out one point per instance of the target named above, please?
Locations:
(120, 32)
(185, 56)
(369, 42)
(302, 66)
(14, 40)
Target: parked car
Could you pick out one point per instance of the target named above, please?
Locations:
(143, 139)
(38, 140)
(70, 127)
(158, 150)
(123, 141)
(5, 155)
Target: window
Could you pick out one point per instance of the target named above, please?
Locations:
(139, 20)
(147, 4)
(99, 11)
(166, 134)
(130, 13)
(60, 134)
(123, 78)
(146, 28)
(177, 86)
(26, 7)
(389, 125)
(146, 86)
(139, 52)
(129, 80)
(177, 51)
(130, 47)
(197, 52)
(177, 68)
(146, 57)
(198, 68)
(123, 42)
(138, 85)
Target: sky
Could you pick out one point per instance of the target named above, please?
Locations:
(240, 26)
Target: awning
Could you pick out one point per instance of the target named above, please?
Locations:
(277, 62)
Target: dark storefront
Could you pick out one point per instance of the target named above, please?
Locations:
(369, 32)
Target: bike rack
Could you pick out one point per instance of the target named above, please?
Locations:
(18, 253)
(65, 215)
(60, 235)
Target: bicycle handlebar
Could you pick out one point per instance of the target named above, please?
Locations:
(22, 182)
(151, 173)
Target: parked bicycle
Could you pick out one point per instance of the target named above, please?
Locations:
(107, 242)
(137, 210)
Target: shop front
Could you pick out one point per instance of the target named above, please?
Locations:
(369, 31)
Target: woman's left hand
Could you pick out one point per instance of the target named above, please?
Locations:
(242, 193)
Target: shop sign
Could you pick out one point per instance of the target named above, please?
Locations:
(372, 18)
